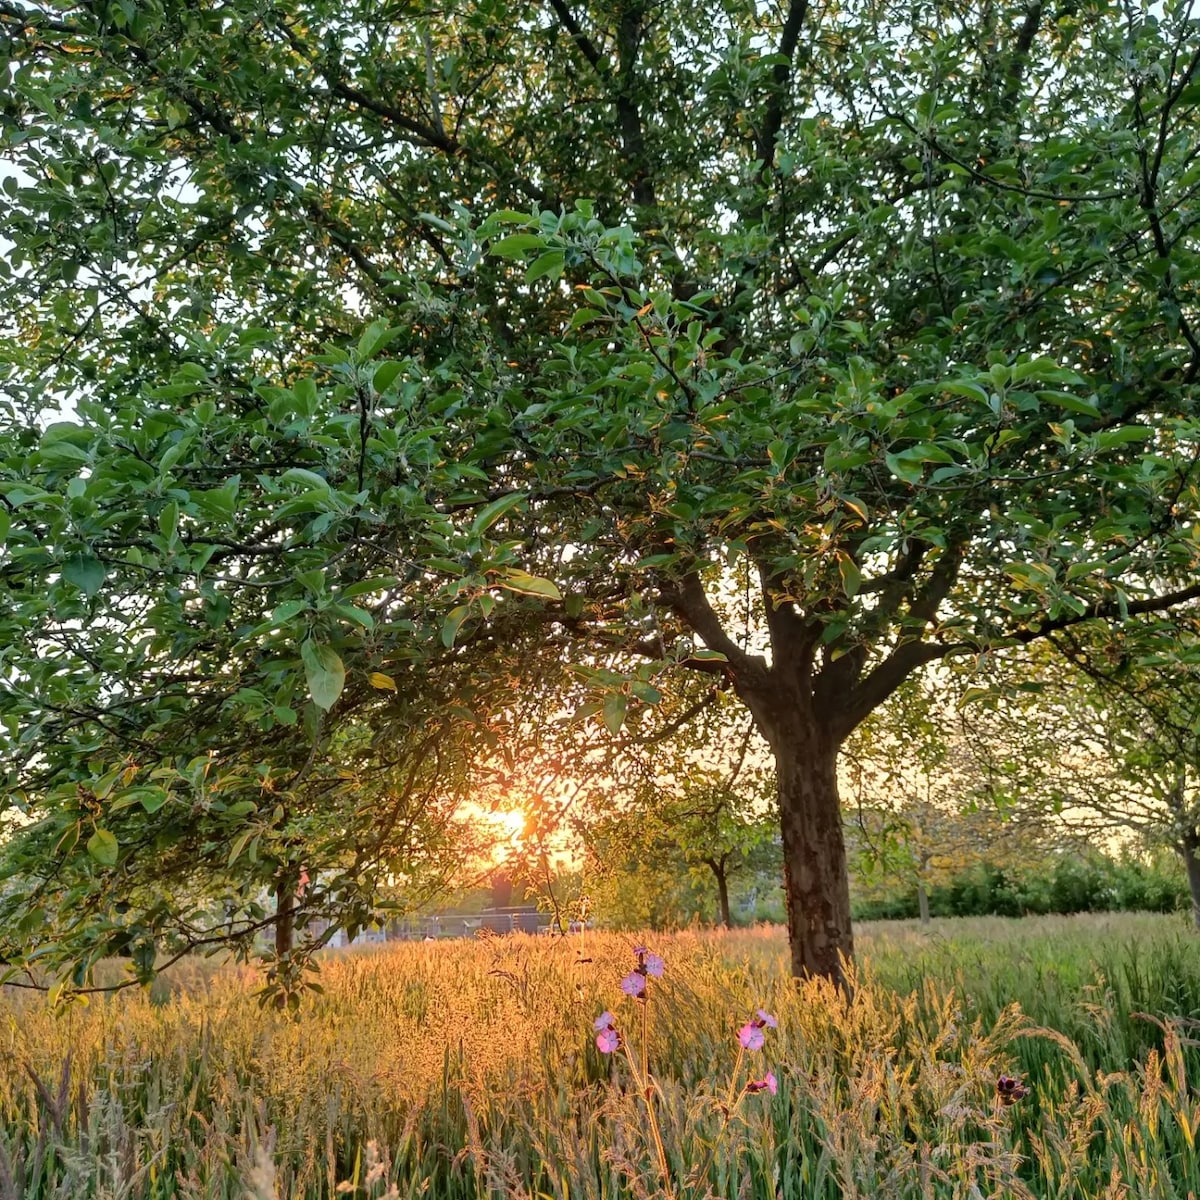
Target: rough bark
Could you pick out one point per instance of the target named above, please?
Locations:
(717, 866)
(816, 876)
(285, 914)
(1190, 849)
(923, 901)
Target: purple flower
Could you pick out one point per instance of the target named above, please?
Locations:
(1011, 1090)
(765, 1018)
(608, 1041)
(751, 1036)
(634, 984)
(655, 965)
(767, 1084)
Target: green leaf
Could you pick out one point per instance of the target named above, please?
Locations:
(309, 479)
(102, 846)
(851, 575)
(151, 798)
(1068, 401)
(615, 706)
(585, 315)
(168, 520)
(529, 585)
(351, 612)
(491, 513)
(375, 338)
(85, 572)
(905, 466)
(324, 673)
(239, 845)
(1123, 435)
(305, 391)
(515, 245)
(287, 610)
(548, 265)
(385, 375)
(450, 626)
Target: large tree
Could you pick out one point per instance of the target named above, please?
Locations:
(803, 347)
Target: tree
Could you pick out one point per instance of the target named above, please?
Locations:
(700, 802)
(879, 324)
(939, 787)
(1118, 724)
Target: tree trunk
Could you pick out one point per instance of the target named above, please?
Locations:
(718, 869)
(923, 901)
(285, 913)
(816, 877)
(1190, 849)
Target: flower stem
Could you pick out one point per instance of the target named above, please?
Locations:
(733, 1078)
(698, 1181)
(646, 1091)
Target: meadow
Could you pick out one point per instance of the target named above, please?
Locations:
(470, 1069)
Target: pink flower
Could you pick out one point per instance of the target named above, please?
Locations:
(654, 966)
(751, 1036)
(634, 984)
(607, 1039)
(765, 1018)
(767, 1084)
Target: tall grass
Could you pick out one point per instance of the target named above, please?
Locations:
(468, 1069)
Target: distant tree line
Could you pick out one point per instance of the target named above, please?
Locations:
(1069, 883)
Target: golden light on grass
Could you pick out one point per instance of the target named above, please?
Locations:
(472, 1068)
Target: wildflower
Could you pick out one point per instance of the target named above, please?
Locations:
(634, 984)
(647, 963)
(1011, 1089)
(751, 1036)
(607, 1039)
(767, 1084)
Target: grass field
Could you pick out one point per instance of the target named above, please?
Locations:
(469, 1069)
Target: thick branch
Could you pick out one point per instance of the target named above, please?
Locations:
(882, 682)
(937, 587)
(629, 115)
(1106, 610)
(687, 598)
(1020, 55)
(780, 79)
(586, 46)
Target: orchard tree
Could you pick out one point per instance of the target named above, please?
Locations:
(1117, 726)
(803, 347)
(698, 800)
(937, 786)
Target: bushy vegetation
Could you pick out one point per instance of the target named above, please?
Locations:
(1067, 882)
(469, 1069)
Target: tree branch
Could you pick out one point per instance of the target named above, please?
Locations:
(689, 601)
(780, 79)
(1105, 610)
